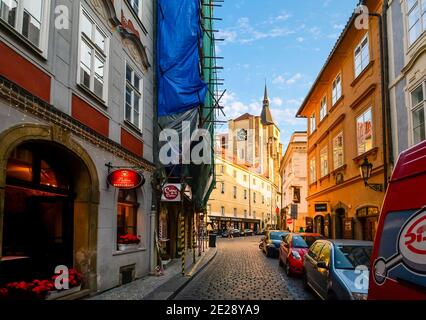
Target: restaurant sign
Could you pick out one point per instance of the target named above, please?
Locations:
(126, 179)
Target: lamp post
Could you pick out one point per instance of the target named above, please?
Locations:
(366, 168)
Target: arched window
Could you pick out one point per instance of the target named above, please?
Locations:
(127, 212)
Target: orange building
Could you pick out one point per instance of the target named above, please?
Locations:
(344, 113)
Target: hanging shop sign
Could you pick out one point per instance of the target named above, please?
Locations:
(126, 179)
(171, 192)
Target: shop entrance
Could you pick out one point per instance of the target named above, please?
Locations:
(339, 223)
(38, 214)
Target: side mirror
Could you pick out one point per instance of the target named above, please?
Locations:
(322, 265)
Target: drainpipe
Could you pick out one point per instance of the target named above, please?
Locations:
(384, 87)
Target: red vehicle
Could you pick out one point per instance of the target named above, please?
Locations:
(399, 256)
(292, 250)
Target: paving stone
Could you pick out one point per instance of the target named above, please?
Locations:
(240, 271)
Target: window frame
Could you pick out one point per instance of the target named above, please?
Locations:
(363, 65)
(131, 6)
(421, 4)
(417, 107)
(323, 172)
(312, 170)
(94, 49)
(312, 123)
(323, 108)
(42, 47)
(133, 206)
(139, 127)
(336, 91)
(335, 164)
(369, 109)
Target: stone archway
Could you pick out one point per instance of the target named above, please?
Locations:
(86, 188)
(338, 215)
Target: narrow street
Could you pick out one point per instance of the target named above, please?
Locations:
(240, 271)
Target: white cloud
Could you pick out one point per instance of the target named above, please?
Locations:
(300, 39)
(276, 101)
(278, 80)
(294, 79)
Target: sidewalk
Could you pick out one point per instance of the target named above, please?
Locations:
(162, 287)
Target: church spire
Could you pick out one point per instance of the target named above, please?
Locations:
(265, 96)
(266, 115)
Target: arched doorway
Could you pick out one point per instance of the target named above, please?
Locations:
(319, 224)
(49, 197)
(339, 222)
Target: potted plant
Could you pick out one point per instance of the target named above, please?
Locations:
(128, 242)
(74, 285)
(23, 290)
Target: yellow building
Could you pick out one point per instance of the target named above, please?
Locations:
(345, 120)
(247, 194)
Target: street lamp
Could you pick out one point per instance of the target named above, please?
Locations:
(366, 168)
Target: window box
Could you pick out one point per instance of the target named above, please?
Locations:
(54, 295)
(337, 103)
(128, 247)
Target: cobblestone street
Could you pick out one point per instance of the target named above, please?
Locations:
(240, 271)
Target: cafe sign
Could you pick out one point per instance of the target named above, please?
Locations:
(171, 192)
(125, 179)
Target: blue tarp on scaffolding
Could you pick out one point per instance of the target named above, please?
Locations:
(180, 87)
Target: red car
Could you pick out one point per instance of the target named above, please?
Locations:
(292, 250)
(398, 269)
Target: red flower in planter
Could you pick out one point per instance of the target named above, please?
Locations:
(129, 239)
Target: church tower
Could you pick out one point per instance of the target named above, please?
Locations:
(266, 115)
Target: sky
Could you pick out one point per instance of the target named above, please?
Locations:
(286, 43)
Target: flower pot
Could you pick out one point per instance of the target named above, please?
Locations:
(127, 247)
(53, 295)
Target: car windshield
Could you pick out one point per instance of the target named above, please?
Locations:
(276, 235)
(350, 256)
(304, 241)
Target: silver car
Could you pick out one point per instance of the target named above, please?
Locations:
(338, 269)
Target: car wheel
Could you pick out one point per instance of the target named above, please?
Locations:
(305, 282)
(287, 269)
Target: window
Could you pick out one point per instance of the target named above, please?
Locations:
(312, 171)
(245, 194)
(235, 174)
(254, 182)
(362, 56)
(245, 178)
(296, 195)
(133, 110)
(338, 157)
(222, 169)
(418, 106)
(223, 187)
(136, 6)
(263, 199)
(337, 89)
(365, 132)
(254, 197)
(245, 213)
(222, 211)
(324, 162)
(29, 18)
(127, 213)
(242, 154)
(312, 123)
(235, 192)
(416, 19)
(235, 212)
(323, 108)
(93, 43)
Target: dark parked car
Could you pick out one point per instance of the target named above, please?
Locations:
(338, 269)
(234, 232)
(247, 232)
(272, 241)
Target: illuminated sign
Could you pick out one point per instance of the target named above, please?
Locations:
(126, 179)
